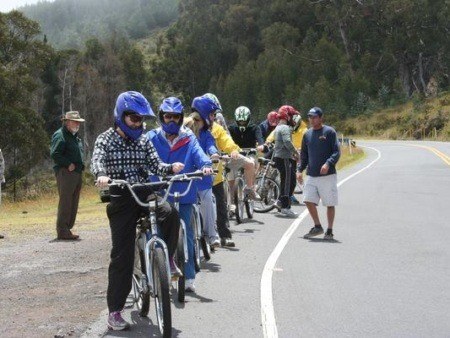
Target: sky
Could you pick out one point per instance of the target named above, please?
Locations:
(7, 5)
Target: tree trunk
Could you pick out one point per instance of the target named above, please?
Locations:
(405, 78)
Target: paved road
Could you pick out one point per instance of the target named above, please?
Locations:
(387, 274)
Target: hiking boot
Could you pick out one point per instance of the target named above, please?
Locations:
(315, 231)
(252, 193)
(227, 242)
(214, 242)
(116, 322)
(174, 270)
(189, 286)
(67, 235)
(288, 213)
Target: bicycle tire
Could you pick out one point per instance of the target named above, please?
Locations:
(269, 195)
(162, 295)
(249, 207)
(239, 199)
(180, 258)
(141, 295)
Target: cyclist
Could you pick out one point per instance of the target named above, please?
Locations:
(285, 158)
(205, 193)
(122, 152)
(207, 106)
(269, 124)
(220, 119)
(175, 143)
(245, 135)
(298, 131)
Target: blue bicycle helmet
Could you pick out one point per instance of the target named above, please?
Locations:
(171, 105)
(216, 101)
(135, 103)
(204, 106)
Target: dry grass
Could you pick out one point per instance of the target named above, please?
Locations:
(38, 217)
(348, 159)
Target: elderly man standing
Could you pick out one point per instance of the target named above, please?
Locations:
(67, 153)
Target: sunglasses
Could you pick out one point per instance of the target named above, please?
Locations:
(134, 117)
(171, 117)
(197, 119)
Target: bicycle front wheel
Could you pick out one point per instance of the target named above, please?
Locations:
(239, 200)
(162, 296)
(269, 191)
(180, 258)
(141, 292)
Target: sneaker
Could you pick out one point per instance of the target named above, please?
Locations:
(315, 231)
(227, 242)
(189, 286)
(294, 201)
(252, 194)
(288, 213)
(328, 236)
(174, 270)
(214, 242)
(116, 322)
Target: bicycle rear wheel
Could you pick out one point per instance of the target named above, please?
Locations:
(269, 191)
(162, 296)
(180, 258)
(141, 292)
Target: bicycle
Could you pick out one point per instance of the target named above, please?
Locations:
(181, 255)
(267, 186)
(241, 198)
(152, 269)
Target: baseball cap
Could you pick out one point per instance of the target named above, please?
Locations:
(315, 111)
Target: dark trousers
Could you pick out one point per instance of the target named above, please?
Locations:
(69, 188)
(286, 167)
(222, 211)
(123, 213)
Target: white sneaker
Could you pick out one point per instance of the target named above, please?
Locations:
(214, 242)
(288, 213)
(189, 286)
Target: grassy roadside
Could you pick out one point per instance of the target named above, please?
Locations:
(37, 217)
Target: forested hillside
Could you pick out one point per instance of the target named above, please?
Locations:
(348, 57)
(69, 23)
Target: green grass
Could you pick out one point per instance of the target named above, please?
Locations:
(348, 159)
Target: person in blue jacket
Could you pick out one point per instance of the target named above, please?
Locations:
(175, 143)
(205, 192)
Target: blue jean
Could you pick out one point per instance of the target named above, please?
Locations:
(186, 215)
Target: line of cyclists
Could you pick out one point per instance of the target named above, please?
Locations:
(183, 143)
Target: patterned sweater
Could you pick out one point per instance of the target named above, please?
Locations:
(120, 158)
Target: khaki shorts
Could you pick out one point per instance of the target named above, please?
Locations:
(321, 188)
(235, 165)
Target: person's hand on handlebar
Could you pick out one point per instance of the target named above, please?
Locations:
(102, 181)
(177, 167)
(215, 156)
(234, 154)
(207, 171)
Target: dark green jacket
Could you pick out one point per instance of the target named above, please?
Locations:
(65, 149)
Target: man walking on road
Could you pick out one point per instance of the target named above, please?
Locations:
(319, 154)
(67, 153)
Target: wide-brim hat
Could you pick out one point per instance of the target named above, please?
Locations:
(73, 116)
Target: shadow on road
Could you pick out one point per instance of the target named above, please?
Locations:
(211, 267)
(321, 240)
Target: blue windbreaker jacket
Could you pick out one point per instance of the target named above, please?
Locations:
(186, 150)
(208, 145)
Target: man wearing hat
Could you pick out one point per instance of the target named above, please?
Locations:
(319, 155)
(67, 153)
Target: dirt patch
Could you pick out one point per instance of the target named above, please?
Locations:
(51, 288)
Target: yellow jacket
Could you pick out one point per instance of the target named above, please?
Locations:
(297, 136)
(225, 144)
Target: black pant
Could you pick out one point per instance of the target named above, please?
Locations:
(286, 167)
(123, 213)
(222, 211)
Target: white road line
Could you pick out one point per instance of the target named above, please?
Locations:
(267, 311)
